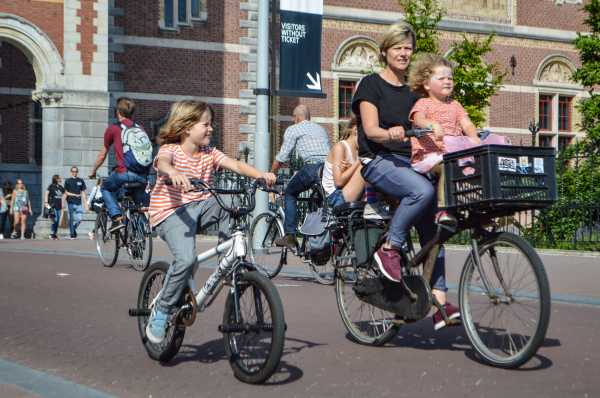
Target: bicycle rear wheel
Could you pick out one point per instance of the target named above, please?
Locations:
(107, 244)
(150, 287)
(365, 323)
(254, 334)
(139, 241)
(505, 305)
(267, 257)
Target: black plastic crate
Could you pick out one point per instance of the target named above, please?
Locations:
(500, 176)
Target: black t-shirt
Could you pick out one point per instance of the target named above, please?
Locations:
(55, 193)
(74, 186)
(393, 104)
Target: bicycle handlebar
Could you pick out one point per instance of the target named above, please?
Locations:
(417, 132)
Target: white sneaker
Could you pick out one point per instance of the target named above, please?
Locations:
(91, 235)
(1, 236)
(376, 211)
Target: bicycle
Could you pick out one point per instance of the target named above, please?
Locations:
(253, 320)
(269, 258)
(504, 295)
(136, 237)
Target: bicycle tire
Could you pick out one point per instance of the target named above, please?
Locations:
(150, 286)
(530, 288)
(267, 257)
(253, 289)
(107, 244)
(379, 328)
(139, 241)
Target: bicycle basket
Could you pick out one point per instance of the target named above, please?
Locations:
(500, 177)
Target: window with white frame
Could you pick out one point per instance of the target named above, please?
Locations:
(176, 13)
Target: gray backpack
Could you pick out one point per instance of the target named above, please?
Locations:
(319, 239)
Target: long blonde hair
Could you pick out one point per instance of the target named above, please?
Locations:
(349, 129)
(182, 117)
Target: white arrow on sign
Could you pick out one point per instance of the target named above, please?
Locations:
(315, 84)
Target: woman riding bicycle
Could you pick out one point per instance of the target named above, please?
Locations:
(175, 210)
(382, 104)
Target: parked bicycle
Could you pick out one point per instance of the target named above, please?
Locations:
(253, 320)
(136, 237)
(504, 295)
(268, 226)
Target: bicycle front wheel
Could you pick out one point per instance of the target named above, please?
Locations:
(254, 332)
(505, 303)
(365, 323)
(107, 244)
(139, 241)
(267, 257)
(150, 287)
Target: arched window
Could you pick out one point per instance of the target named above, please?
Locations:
(354, 58)
(555, 102)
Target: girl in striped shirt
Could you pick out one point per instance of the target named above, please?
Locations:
(174, 210)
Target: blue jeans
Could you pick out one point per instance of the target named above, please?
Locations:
(300, 182)
(112, 185)
(392, 175)
(75, 215)
(56, 221)
(336, 198)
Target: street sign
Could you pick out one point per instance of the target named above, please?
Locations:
(300, 48)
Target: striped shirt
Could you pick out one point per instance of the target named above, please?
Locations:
(308, 139)
(165, 199)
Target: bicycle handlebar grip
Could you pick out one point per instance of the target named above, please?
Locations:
(417, 132)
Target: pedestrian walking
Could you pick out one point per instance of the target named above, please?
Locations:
(76, 199)
(20, 208)
(3, 213)
(53, 199)
(6, 219)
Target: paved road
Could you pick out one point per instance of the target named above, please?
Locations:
(65, 333)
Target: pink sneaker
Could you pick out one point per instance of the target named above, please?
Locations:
(451, 312)
(390, 263)
(445, 218)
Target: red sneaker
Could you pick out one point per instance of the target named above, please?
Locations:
(452, 313)
(390, 263)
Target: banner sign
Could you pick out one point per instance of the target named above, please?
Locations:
(300, 48)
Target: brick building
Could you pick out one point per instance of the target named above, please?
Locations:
(64, 62)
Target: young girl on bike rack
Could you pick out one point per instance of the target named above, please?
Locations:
(175, 210)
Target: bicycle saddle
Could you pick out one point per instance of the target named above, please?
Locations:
(133, 185)
(347, 208)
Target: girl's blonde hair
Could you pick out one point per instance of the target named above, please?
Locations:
(349, 129)
(182, 117)
(396, 33)
(422, 68)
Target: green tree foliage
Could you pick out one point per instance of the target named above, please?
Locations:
(423, 16)
(475, 80)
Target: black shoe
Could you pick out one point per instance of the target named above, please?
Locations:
(116, 225)
(288, 240)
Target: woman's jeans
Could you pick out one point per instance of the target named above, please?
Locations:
(113, 183)
(392, 175)
(75, 216)
(56, 220)
(302, 181)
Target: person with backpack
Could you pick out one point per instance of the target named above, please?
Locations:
(133, 153)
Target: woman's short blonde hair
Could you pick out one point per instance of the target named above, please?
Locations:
(422, 68)
(182, 117)
(396, 33)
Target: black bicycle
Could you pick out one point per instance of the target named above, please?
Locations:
(253, 320)
(268, 226)
(504, 295)
(136, 237)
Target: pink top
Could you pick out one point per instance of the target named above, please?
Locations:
(447, 114)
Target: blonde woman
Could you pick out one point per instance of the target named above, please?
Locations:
(20, 208)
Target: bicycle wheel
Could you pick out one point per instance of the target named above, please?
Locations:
(267, 257)
(107, 244)
(254, 334)
(139, 241)
(365, 323)
(150, 287)
(505, 305)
